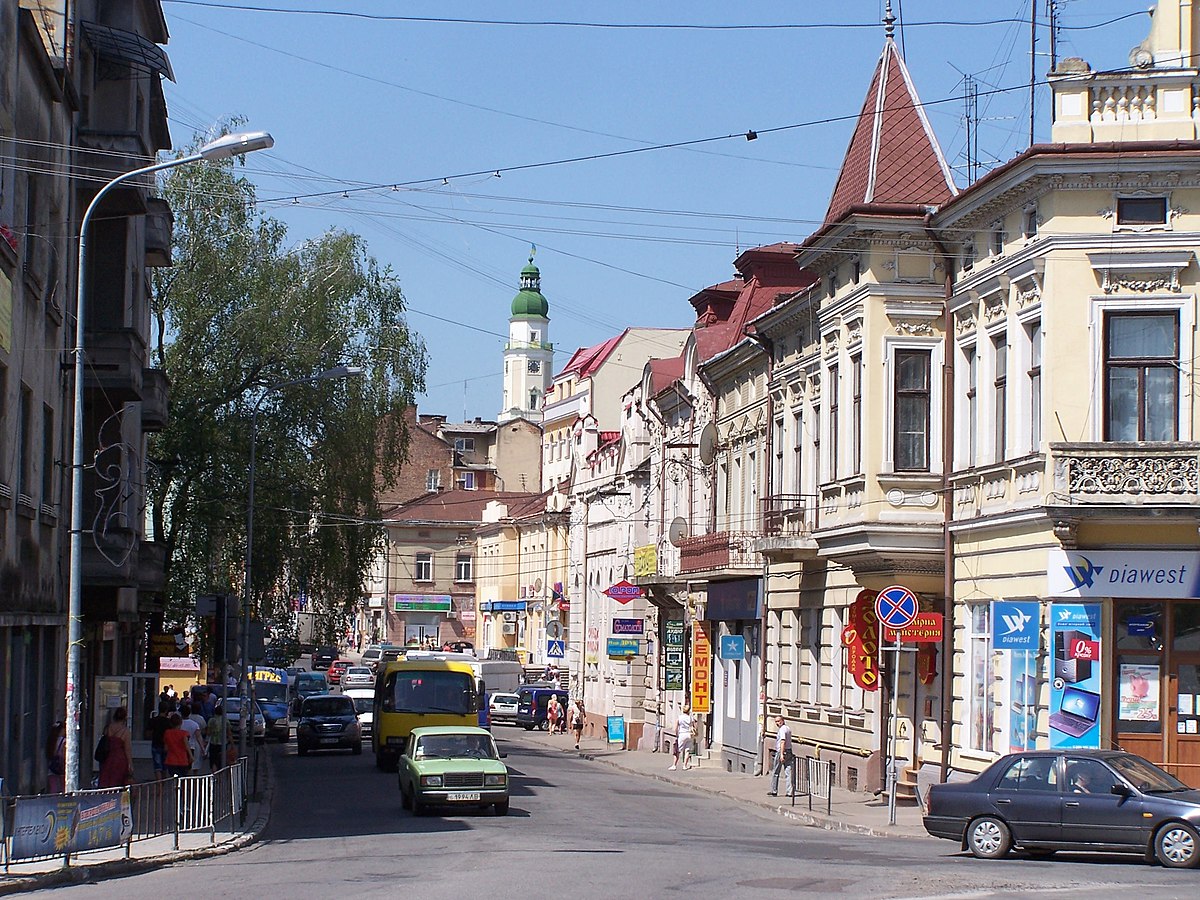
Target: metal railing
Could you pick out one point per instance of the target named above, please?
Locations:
(812, 777)
(145, 810)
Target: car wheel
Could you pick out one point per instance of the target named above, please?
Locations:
(988, 838)
(529, 728)
(418, 807)
(357, 749)
(405, 798)
(301, 750)
(1177, 846)
(501, 808)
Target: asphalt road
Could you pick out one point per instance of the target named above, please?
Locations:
(579, 829)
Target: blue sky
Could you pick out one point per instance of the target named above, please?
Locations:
(359, 104)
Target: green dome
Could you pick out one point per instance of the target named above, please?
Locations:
(529, 302)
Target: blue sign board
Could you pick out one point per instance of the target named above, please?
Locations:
(616, 729)
(504, 606)
(556, 649)
(623, 647)
(628, 626)
(1016, 625)
(1075, 696)
(733, 646)
(1140, 625)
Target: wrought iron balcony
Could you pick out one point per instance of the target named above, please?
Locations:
(718, 551)
(790, 515)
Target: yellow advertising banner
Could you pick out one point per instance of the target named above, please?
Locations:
(645, 561)
(701, 669)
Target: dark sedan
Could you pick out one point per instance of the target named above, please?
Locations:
(328, 722)
(1094, 800)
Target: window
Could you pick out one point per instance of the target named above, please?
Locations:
(998, 238)
(777, 468)
(1141, 375)
(535, 336)
(534, 367)
(535, 397)
(25, 444)
(912, 408)
(968, 256)
(466, 481)
(1029, 222)
(463, 567)
(1141, 211)
(424, 567)
(5, 424)
(856, 270)
(810, 625)
(797, 452)
(1034, 333)
(1031, 773)
(972, 369)
(1000, 387)
(47, 455)
(981, 707)
(464, 445)
(835, 388)
(856, 414)
(433, 480)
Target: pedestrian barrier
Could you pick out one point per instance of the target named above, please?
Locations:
(812, 777)
(53, 826)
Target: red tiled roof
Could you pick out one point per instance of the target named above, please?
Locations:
(893, 157)
(664, 371)
(586, 360)
(450, 506)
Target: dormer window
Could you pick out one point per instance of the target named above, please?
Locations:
(1135, 212)
(1029, 222)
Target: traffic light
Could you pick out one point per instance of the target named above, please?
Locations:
(227, 629)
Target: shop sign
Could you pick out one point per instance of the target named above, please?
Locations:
(645, 561)
(623, 647)
(1138, 693)
(1146, 574)
(701, 663)
(673, 633)
(1075, 696)
(628, 626)
(591, 647)
(57, 824)
(439, 603)
(624, 591)
(861, 639)
(732, 646)
(926, 628)
(1016, 625)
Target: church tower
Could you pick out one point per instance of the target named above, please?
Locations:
(528, 355)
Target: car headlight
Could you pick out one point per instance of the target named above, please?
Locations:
(495, 780)
(431, 781)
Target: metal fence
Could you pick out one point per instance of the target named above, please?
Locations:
(108, 818)
(812, 777)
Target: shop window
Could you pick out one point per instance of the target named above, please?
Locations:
(1141, 369)
(1186, 627)
(981, 706)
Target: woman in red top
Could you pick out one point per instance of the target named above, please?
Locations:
(117, 768)
(179, 751)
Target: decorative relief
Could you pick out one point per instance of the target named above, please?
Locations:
(1132, 475)
(965, 321)
(1106, 213)
(897, 497)
(1145, 284)
(1029, 297)
(914, 328)
(854, 332)
(889, 264)
(1175, 211)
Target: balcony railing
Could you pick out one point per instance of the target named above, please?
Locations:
(719, 550)
(1128, 473)
(790, 515)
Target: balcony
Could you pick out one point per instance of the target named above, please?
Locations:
(789, 521)
(1128, 474)
(154, 399)
(152, 566)
(722, 551)
(102, 156)
(159, 223)
(115, 363)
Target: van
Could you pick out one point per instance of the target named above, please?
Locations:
(501, 676)
(306, 684)
(531, 707)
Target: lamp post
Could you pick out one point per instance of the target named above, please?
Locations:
(246, 717)
(222, 148)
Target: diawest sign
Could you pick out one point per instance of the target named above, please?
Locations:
(1151, 574)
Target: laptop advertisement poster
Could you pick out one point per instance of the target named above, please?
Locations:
(1075, 699)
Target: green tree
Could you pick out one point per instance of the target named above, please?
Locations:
(237, 314)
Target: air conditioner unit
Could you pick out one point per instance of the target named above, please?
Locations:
(510, 617)
(451, 614)
(509, 628)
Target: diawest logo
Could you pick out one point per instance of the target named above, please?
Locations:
(1083, 573)
(1015, 621)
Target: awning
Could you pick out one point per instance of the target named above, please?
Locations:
(128, 47)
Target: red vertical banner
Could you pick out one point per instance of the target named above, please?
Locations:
(701, 669)
(861, 640)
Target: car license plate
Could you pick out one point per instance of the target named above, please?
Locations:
(462, 795)
(329, 740)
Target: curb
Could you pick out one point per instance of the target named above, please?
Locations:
(827, 823)
(118, 868)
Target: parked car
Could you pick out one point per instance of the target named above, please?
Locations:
(503, 707)
(1047, 800)
(323, 657)
(371, 656)
(531, 707)
(357, 676)
(336, 668)
(452, 765)
(233, 712)
(364, 704)
(328, 722)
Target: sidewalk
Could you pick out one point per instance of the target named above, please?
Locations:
(146, 854)
(851, 812)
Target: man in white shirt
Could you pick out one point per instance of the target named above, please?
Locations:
(783, 757)
(195, 733)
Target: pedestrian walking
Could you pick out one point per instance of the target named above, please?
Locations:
(217, 734)
(194, 732)
(179, 748)
(159, 723)
(56, 758)
(116, 768)
(785, 759)
(685, 729)
(576, 716)
(553, 713)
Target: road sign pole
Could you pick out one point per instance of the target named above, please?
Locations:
(892, 780)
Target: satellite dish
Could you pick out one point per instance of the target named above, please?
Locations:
(537, 585)
(679, 531)
(708, 444)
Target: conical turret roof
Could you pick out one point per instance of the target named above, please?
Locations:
(894, 157)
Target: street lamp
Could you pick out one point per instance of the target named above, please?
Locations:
(222, 148)
(246, 717)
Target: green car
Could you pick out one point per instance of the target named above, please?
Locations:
(452, 765)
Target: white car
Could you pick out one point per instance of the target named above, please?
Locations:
(357, 676)
(364, 701)
(503, 707)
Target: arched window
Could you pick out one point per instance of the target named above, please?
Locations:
(534, 396)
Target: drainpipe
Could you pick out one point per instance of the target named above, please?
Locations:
(947, 724)
(768, 347)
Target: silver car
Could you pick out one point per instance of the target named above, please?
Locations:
(357, 676)
(233, 712)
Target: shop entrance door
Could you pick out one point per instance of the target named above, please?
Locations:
(1183, 720)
